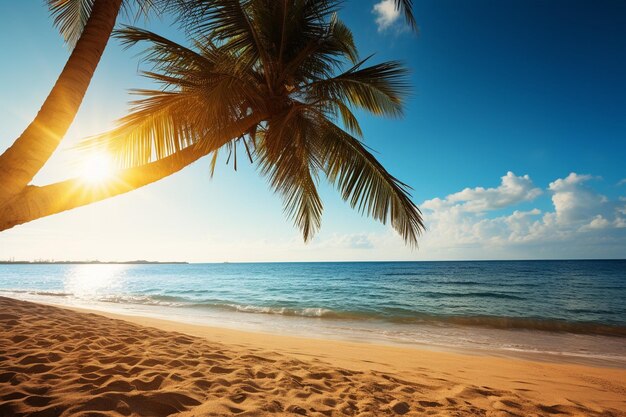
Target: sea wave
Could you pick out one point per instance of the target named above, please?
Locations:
(54, 293)
(152, 299)
(395, 315)
(401, 316)
(485, 294)
(436, 280)
(42, 293)
(283, 311)
(522, 323)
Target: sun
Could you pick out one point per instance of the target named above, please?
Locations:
(96, 168)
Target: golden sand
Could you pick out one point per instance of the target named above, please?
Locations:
(61, 362)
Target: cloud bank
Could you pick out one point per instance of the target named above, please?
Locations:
(512, 190)
(516, 219)
(581, 223)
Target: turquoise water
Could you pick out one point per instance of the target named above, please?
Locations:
(495, 304)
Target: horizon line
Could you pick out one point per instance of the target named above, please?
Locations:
(146, 262)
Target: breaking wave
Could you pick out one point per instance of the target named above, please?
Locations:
(396, 315)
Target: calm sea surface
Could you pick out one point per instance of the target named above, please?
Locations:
(573, 309)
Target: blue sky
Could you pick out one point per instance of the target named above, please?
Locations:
(513, 141)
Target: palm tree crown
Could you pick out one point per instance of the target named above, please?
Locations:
(287, 74)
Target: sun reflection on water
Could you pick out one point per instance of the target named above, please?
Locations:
(94, 281)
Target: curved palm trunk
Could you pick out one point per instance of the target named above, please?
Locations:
(21, 162)
(35, 202)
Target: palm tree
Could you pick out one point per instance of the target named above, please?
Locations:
(263, 75)
(86, 26)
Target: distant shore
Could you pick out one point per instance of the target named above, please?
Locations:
(138, 262)
(114, 364)
(142, 262)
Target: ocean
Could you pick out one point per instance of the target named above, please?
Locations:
(571, 311)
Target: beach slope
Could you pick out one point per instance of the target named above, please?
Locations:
(60, 362)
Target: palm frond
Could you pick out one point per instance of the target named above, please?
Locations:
(203, 94)
(318, 57)
(231, 148)
(406, 7)
(289, 25)
(379, 89)
(231, 24)
(338, 110)
(342, 40)
(164, 54)
(292, 171)
(157, 127)
(365, 184)
(176, 60)
(70, 17)
(142, 8)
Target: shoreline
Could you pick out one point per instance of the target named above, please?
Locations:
(271, 340)
(374, 379)
(549, 346)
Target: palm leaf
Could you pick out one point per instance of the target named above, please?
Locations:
(164, 54)
(337, 110)
(70, 17)
(172, 59)
(229, 22)
(203, 94)
(406, 7)
(158, 126)
(365, 184)
(292, 170)
(380, 88)
(348, 118)
(341, 40)
(318, 57)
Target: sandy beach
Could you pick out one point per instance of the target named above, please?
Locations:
(61, 362)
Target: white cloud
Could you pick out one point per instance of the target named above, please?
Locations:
(621, 182)
(581, 219)
(512, 190)
(573, 201)
(597, 223)
(386, 14)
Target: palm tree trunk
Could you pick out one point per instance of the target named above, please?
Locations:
(21, 162)
(35, 202)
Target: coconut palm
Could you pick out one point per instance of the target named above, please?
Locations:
(265, 76)
(86, 26)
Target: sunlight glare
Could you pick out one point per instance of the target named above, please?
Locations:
(93, 281)
(97, 168)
